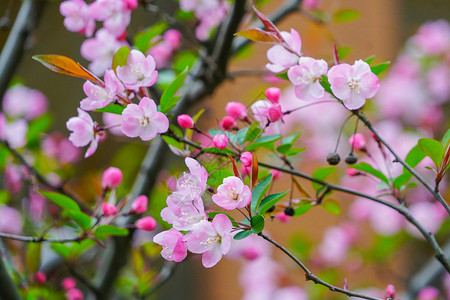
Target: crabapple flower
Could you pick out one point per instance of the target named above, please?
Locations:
(275, 113)
(115, 15)
(10, 220)
(84, 132)
(246, 159)
(140, 204)
(227, 123)
(267, 113)
(109, 209)
(306, 75)
(146, 223)
(21, 101)
(139, 71)
(162, 51)
(353, 84)
(220, 141)
(273, 94)
(99, 97)
(60, 148)
(112, 177)
(15, 133)
(280, 58)
(68, 283)
(390, 291)
(77, 17)
(143, 120)
(236, 110)
(357, 141)
(233, 193)
(184, 217)
(213, 240)
(174, 246)
(428, 293)
(433, 38)
(185, 121)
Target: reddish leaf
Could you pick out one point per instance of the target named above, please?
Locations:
(337, 61)
(268, 24)
(259, 35)
(235, 169)
(64, 65)
(254, 169)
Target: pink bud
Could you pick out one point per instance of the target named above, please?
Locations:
(185, 121)
(40, 277)
(273, 94)
(173, 36)
(237, 110)
(112, 177)
(245, 170)
(146, 223)
(227, 123)
(282, 217)
(275, 113)
(68, 283)
(109, 209)
(246, 159)
(140, 205)
(220, 141)
(74, 294)
(251, 253)
(275, 173)
(428, 293)
(353, 172)
(131, 4)
(390, 292)
(357, 141)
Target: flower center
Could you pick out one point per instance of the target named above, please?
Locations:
(144, 121)
(211, 241)
(354, 85)
(232, 193)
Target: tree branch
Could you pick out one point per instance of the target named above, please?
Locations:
(36, 239)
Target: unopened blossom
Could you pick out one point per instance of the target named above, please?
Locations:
(236, 110)
(220, 141)
(40, 277)
(21, 101)
(264, 112)
(353, 84)
(280, 58)
(74, 294)
(311, 4)
(140, 204)
(233, 193)
(99, 97)
(68, 283)
(83, 132)
(143, 120)
(112, 177)
(282, 217)
(275, 113)
(139, 71)
(109, 209)
(77, 17)
(306, 77)
(115, 14)
(428, 293)
(212, 239)
(185, 121)
(146, 223)
(246, 159)
(273, 94)
(357, 141)
(275, 173)
(390, 291)
(173, 244)
(227, 123)
(184, 217)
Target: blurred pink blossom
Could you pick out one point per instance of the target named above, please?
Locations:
(21, 101)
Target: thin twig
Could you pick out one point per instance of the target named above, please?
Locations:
(40, 239)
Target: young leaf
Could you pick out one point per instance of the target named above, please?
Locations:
(380, 68)
(283, 76)
(301, 189)
(446, 139)
(257, 223)
(332, 206)
(112, 108)
(218, 151)
(78, 217)
(365, 167)
(291, 138)
(346, 15)
(33, 257)
(255, 169)
(61, 249)
(120, 58)
(270, 201)
(168, 98)
(142, 40)
(61, 200)
(259, 35)
(109, 230)
(259, 191)
(242, 234)
(302, 209)
(433, 149)
(252, 132)
(235, 169)
(268, 24)
(264, 141)
(321, 174)
(64, 65)
(414, 157)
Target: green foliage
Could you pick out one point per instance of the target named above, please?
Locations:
(184, 59)
(103, 231)
(321, 174)
(78, 217)
(270, 200)
(61, 200)
(380, 68)
(112, 108)
(143, 39)
(257, 223)
(259, 191)
(331, 206)
(242, 234)
(120, 58)
(36, 127)
(413, 158)
(433, 149)
(346, 15)
(343, 52)
(168, 98)
(365, 167)
(303, 208)
(266, 141)
(33, 256)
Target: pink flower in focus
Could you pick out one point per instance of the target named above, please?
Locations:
(246, 159)
(83, 132)
(146, 223)
(139, 71)
(273, 94)
(184, 217)
(74, 294)
(428, 293)
(68, 283)
(20, 101)
(185, 121)
(109, 209)
(140, 204)
(236, 110)
(99, 97)
(77, 17)
(220, 141)
(357, 141)
(213, 239)
(143, 120)
(233, 193)
(174, 247)
(112, 177)
(353, 84)
(280, 58)
(306, 76)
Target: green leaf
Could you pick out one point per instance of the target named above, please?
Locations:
(168, 98)
(283, 75)
(61, 200)
(184, 59)
(401, 180)
(142, 40)
(218, 151)
(284, 148)
(109, 230)
(302, 209)
(380, 68)
(120, 58)
(433, 149)
(264, 141)
(269, 201)
(61, 249)
(242, 234)
(365, 167)
(326, 84)
(291, 138)
(240, 135)
(446, 139)
(173, 142)
(414, 157)
(370, 59)
(33, 257)
(321, 174)
(331, 206)
(252, 132)
(343, 52)
(295, 151)
(346, 15)
(78, 217)
(259, 192)
(36, 127)
(257, 223)
(111, 108)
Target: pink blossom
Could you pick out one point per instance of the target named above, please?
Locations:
(99, 97)
(14, 178)
(236, 110)
(131, 4)
(306, 77)
(174, 246)
(250, 248)
(428, 293)
(40, 277)
(15, 132)
(311, 4)
(275, 173)
(211, 19)
(335, 244)
(173, 37)
(439, 82)
(77, 17)
(68, 283)
(100, 51)
(113, 122)
(184, 217)
(290, 293)
(353, 84)
(280, 58)
(352, 172)
(109, 209)
(428, 214)
(83, 132)
(115, 15)
(233, 193)
(275, 113)
(282, 217)
(213, 239)
(140, 204)
(37, 205)
(10, 220)
(20, 101)
(220, 141)
(433, 38)
(74, 294)
(162, 51)
(263, 110)
(185, 121)
(146, 223)
(273, 94)
(112, 177)
(390, 291)
(357, 141)
(60, 148)
(246, 159)
(139, 71)
(227, 123)
(143, 120)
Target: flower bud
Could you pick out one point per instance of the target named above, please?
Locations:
(333, 158)
(273, 94)
(428, 293)
(351, 158)
(227, 123)
(131, 4)
(282, 217)
(275, 173)
(68, 283)
(173, 37)
(146, 223)
(236, 110)
(246, 159)
(220, 141)
(74, 294)
(390, 292)
(140, 205)
(358, 142)
(112, 177)
(40, 277)
(275, 113)
(353, 172)
(185, 121)
(109, 209)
